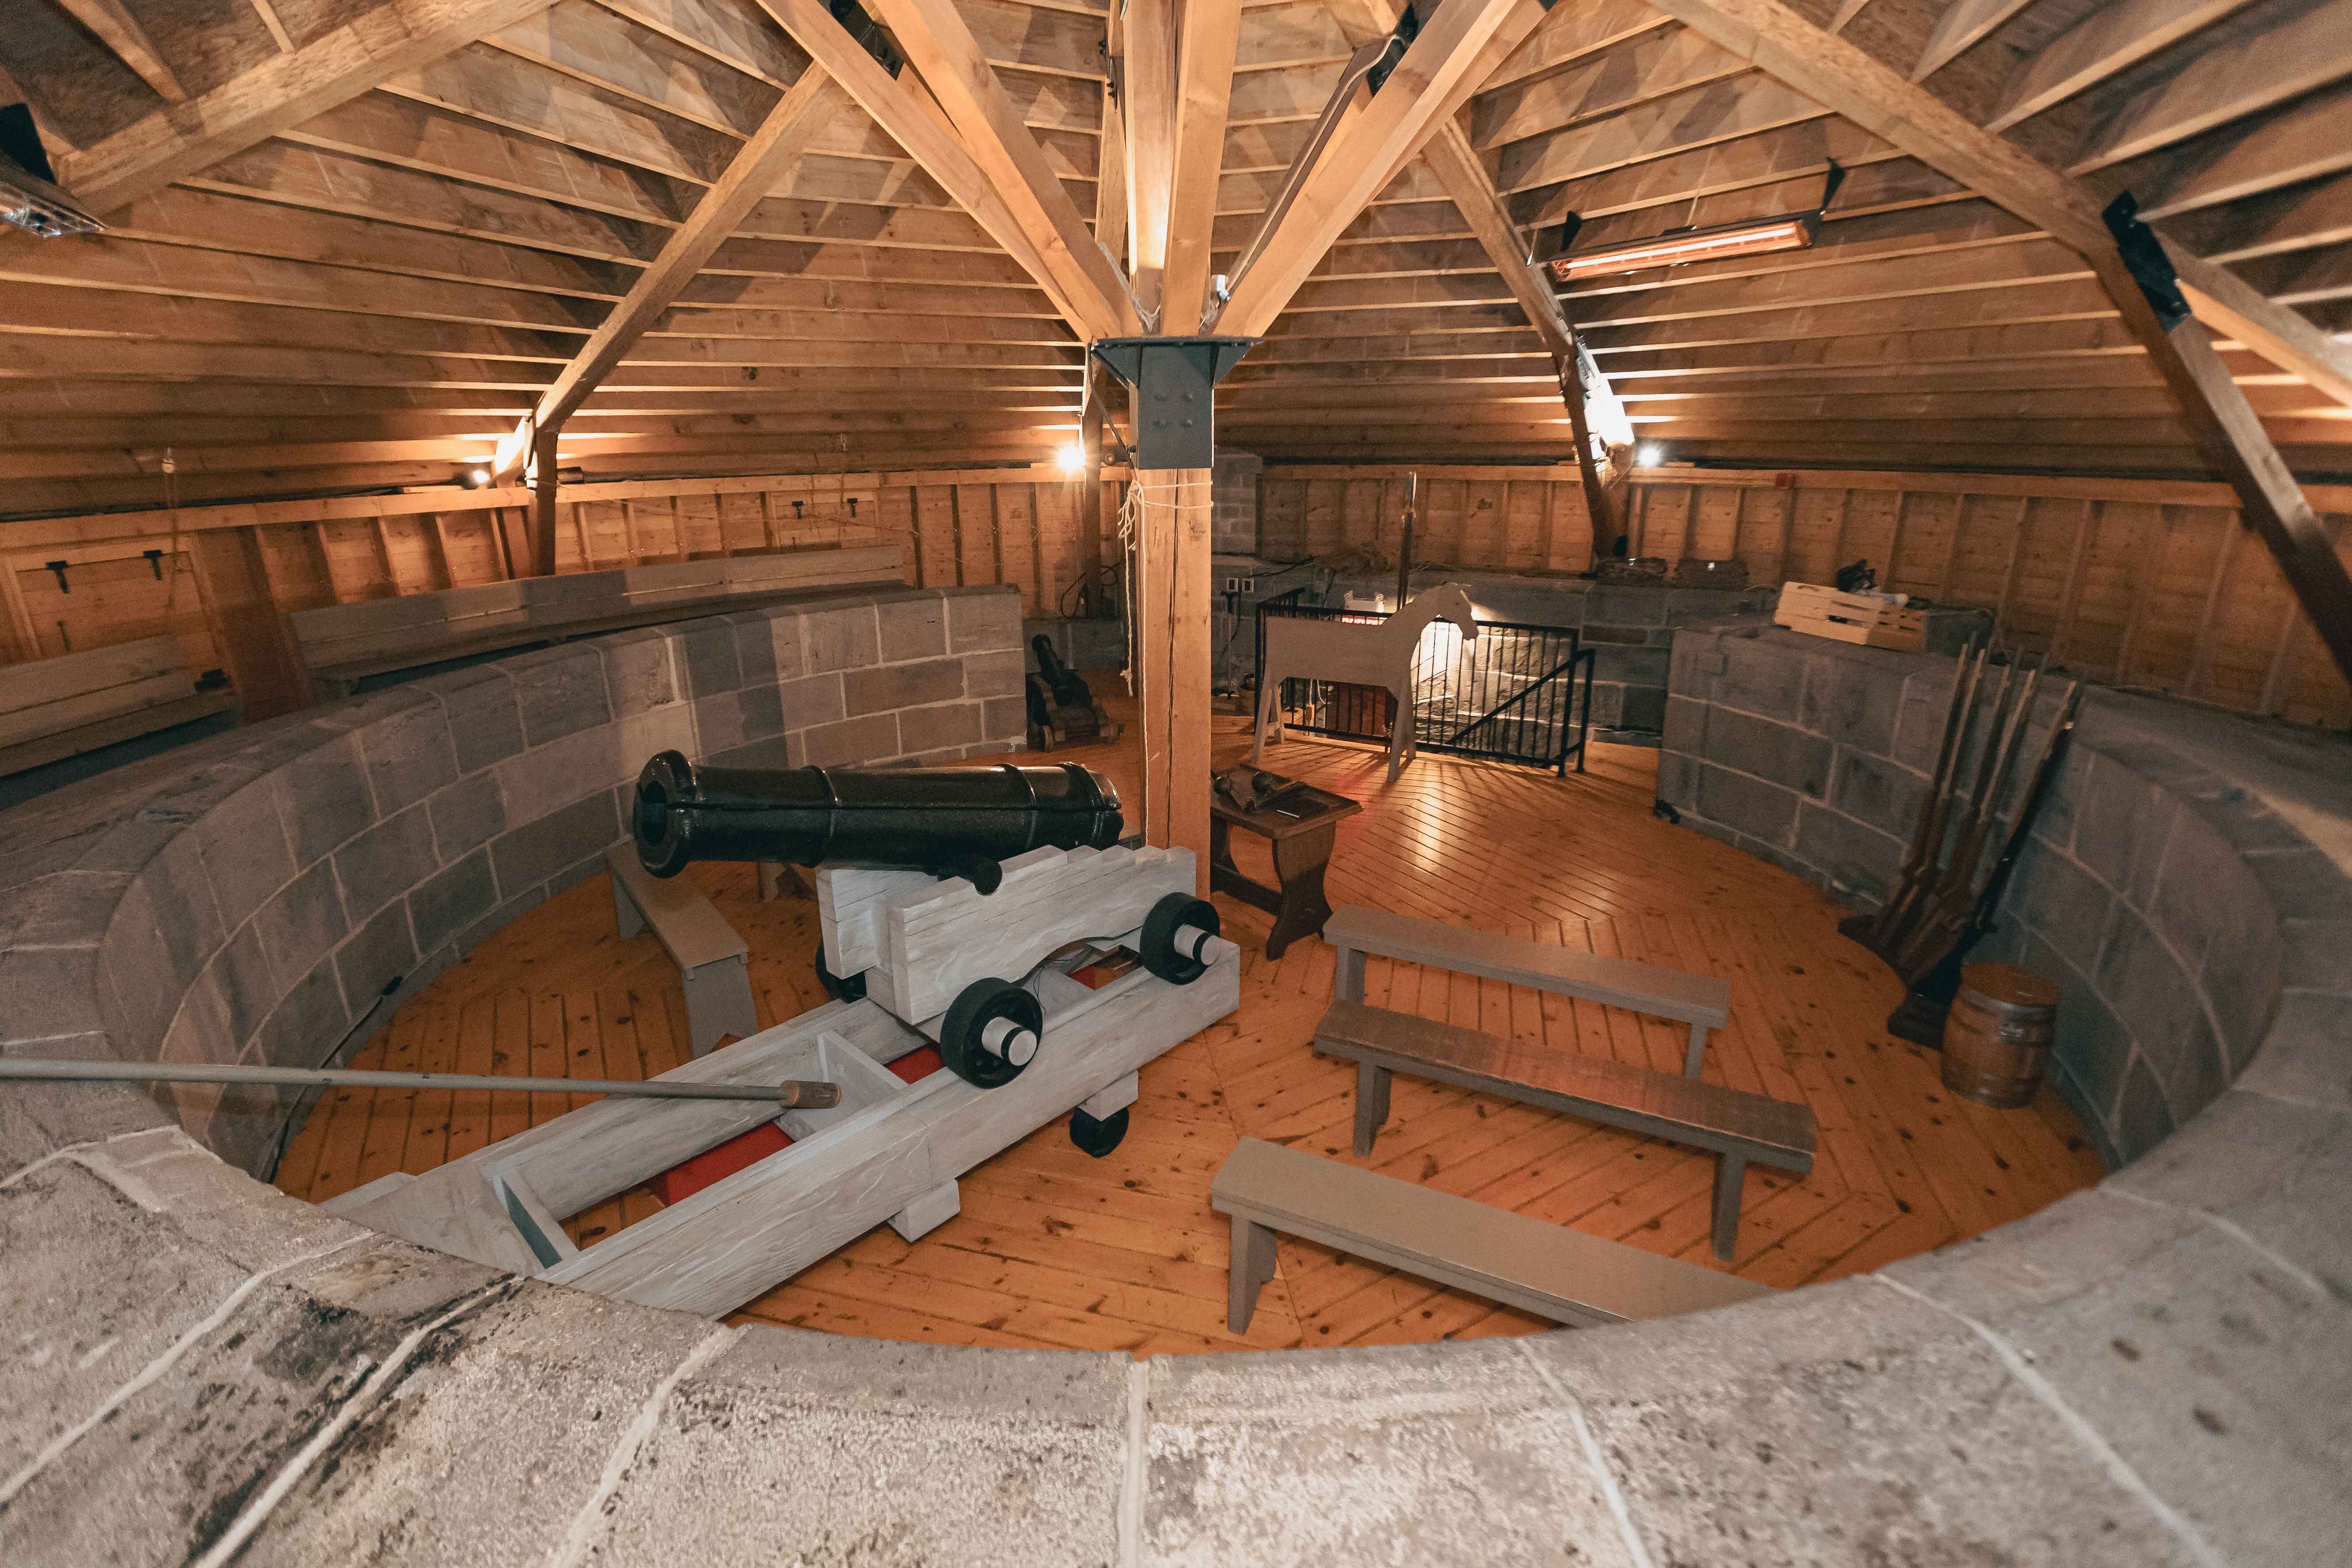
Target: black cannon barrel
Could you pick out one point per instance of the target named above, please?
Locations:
(949, 821)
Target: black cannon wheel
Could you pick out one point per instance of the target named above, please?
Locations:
(1159, 955)
(1097, 1136)
(852, 989)
(960, 1030)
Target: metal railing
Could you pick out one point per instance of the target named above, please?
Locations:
(1510, 694)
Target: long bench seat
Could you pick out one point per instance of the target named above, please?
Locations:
(1701, 1001)
(1548, 1269)
(52, 708)
(343, 646)
(1737, 1126)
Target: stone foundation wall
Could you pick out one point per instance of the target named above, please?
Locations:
(1234, 490)
(2157, 1370)
(288, 878)
(2158, 894)
(1630, 629)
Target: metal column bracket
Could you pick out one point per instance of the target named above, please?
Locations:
(1175, 382)
(2144, 257)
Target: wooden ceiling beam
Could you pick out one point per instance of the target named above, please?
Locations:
(765, 159)
(2109, 39)
(2296, 219)
(939, 44)
(1206, 43)
(931, 142)
(2224, 425)
(1604, 438)
(1575, 33)
(120, 31)
(185, 138)
(1672, 59)
(1725, 111)
(2305, 141)
(2228, 82)
(1148, 45)
(1438, 72)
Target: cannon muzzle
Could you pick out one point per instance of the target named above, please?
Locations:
(958, 822)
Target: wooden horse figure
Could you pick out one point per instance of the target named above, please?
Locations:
(1299, 647)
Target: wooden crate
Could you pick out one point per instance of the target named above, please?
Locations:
(1859, 618)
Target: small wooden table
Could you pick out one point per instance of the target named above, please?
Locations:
(1301, 824)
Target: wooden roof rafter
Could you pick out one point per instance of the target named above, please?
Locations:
(921, 127)
(2223, 424)
(184, 139)
(120, 31)
(1591, 406)
(766, 157)
(939, 43)
(1446, 62)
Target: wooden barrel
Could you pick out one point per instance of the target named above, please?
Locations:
(1996, 1036)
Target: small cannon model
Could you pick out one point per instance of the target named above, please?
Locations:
(1061, 705)
(889, 832)
(949, 822)
(971, 1020)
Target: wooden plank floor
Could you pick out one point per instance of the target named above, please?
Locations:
(1053, 1248)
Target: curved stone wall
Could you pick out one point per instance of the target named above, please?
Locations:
(2159, 889)
(260, 897)
(2158, 1371)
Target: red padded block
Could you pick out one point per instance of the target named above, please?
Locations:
(917, 1066)
(682, 1182)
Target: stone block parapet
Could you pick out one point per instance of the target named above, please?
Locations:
(266, 896)
(2155, 1371)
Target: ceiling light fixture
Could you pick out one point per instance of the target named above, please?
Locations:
(30, 196)
(1072, 458)
(1679, 247)
(1649, 455)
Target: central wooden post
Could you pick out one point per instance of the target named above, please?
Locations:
(543, 502)
(1172, 629)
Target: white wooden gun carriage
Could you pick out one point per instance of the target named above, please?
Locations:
(986, 979)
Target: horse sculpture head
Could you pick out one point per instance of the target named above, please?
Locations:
(1446, 602)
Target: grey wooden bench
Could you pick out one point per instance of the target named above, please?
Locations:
(1700, 1001)
(342, 647)
(712, 960)
(1554, 1272)
(1738, 1127)
(63, 705)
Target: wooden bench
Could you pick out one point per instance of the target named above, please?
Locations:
(341, 645)
(711, 959)
(1554, 1272)
(1738, 1127)
(1699, 1000)
(52, 708)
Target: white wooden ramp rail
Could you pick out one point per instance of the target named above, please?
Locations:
(1701, 1001)
(1548, 1269)
(891, 1152)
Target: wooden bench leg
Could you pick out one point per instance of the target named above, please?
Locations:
(1371, 1104)
(625, 914)
(1730, 1177)
(1252, 1267)
(1697, 1054)
(718, 1003)
(927, 1213)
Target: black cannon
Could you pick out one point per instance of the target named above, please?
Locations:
(1061, 705)
(951, 822)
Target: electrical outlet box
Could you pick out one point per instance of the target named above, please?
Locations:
(1241, 584)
